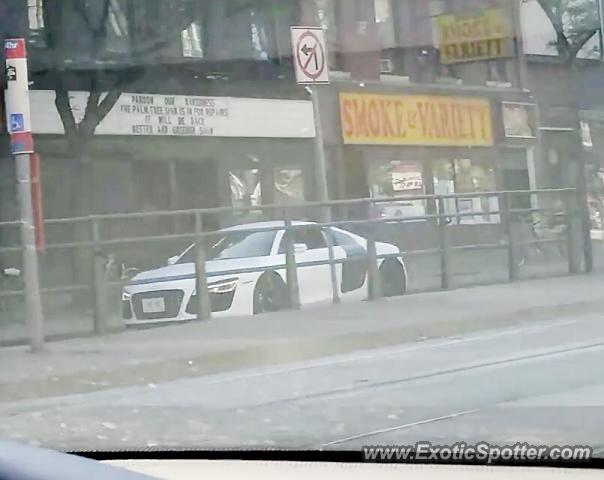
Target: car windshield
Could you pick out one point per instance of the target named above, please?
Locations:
(235, 245)
(435, 169)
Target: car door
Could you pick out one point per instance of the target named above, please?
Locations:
(314, 280)
(354, 268)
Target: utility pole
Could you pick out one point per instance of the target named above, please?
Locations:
(22, 146)
(320, 162)
(518, 40)
(310, 57)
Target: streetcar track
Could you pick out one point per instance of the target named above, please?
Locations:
(400, 381)
(417, 423)
(82, 399)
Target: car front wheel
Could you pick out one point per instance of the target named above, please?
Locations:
(270, 294)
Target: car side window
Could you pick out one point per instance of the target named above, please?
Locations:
(312, 237)
(341, 239)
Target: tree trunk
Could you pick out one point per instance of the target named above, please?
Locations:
(84, 192)
(577, 164)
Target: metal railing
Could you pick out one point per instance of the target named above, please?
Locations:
(97, 246)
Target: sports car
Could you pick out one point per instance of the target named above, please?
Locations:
(168, 294)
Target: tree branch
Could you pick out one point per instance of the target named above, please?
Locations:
(109, 101)
(556, 21)
(65, 112)
(79, 7)
(554, 18)
(97, 109)
(93, 101)
(98, 29)
(52, 16)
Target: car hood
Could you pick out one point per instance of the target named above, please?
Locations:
(213, 268)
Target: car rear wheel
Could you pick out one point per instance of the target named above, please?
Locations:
(270, 294)
(394, 282)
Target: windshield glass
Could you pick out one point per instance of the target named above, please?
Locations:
(435, 169)
(235, 245)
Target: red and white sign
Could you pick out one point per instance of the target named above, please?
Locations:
(18, 118)
(310, 55)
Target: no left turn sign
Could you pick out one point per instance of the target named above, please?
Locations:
(310, 55)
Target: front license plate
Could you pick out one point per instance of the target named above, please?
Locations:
(154, 305)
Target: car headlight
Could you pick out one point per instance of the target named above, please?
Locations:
(126, 296)
(224, 287)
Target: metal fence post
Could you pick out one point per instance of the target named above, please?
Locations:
(204, 305)
(99, 279)
(34, 315)
(572, 253)
(335, 288)
(584, 227)
(293, 290)
(374, 289)
(506, 218)
(445, 270)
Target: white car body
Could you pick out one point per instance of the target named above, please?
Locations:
(175, 283)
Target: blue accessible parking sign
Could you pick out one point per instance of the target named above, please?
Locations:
(17, 122)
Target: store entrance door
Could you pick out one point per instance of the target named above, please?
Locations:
(514, 176)
(197, 188)
(247, 189)
(355, 182)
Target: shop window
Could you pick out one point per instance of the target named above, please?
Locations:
(261, 34)
(149, 186)
(466, 175)
(241, 30)
(327, 17)
(285, 14)
(118, 36)
(555, 170)
(250, 29)
(35, 15)
(246, 191)
(429, 69)
(384, 20)
(497, 72)
(149, 192)
(394, 180)
(192, 41)
(289, 186)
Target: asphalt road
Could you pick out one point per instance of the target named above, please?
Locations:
(541, 384)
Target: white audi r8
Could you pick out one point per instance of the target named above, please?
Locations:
(168, 294)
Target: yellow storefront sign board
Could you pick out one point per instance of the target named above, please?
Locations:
(375, 119)
(474, 36)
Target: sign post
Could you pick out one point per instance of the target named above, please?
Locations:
(22, 146)
(36, 197)
(311, 66)
(601, 16)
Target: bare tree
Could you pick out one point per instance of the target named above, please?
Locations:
(80, 36)
(87, 56)
(575, 23)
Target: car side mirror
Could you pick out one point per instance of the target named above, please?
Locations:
(173, 260)
(300, 248)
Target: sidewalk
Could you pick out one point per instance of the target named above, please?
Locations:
(468, 269)
(146, 357)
